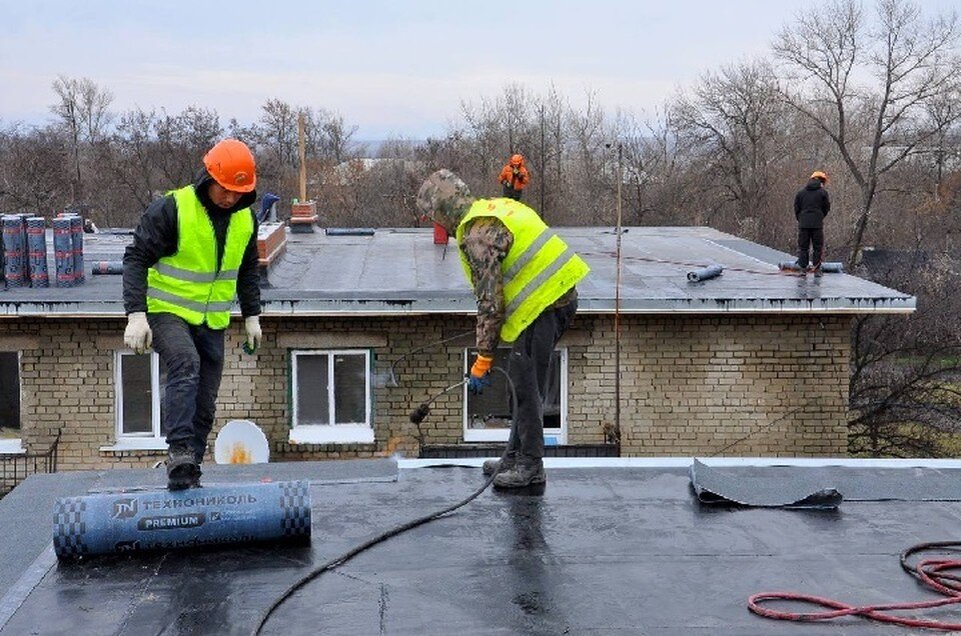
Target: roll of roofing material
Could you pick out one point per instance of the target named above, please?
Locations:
(107, 267)
(832, 268)
(24, 249)
(13, 254)
(76, 240)
(108, 523)
(827, 268)
(705, 273)
(63, 252)
(37, 251)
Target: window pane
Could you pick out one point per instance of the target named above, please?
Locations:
(135, 375)
(9, 394)
(492, 409)
(552, 396)
(350, 389)
(312, 403)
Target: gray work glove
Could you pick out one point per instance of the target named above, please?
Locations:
(137, 335)
(254, 334)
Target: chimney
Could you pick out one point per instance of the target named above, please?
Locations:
(303, 217)
(271, 242)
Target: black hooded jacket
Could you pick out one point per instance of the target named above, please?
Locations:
(811, 205)
(156, 237)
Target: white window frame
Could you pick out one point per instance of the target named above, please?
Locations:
(14, 445)
(154, 440)
(349, 433)
(552, 436)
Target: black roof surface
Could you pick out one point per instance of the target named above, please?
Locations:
(607, 549)
(392, 271)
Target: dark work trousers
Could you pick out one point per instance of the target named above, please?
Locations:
(529, 367)
(193, 357)
(806, 237)
(511, 193)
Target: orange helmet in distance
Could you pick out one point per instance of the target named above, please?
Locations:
(820, 176)
(517, 160)
(231, 164)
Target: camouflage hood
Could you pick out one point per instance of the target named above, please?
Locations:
(445, 199)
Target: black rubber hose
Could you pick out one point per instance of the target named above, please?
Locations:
(421, 412)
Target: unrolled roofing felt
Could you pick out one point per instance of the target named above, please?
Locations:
(603, 550)
(821, 486)
(387, 271)
(790, 488)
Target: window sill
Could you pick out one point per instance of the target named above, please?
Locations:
(12, 447)
(552, 437)
(124, 445)
(338, 434)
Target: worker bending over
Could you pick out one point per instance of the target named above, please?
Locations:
(193, 252)
(514, 177)
(524, 278)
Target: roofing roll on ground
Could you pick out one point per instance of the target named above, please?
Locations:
(705, 273)
(163, 520)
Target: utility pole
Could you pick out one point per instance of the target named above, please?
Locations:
(617, 300)
(543, 174)
(303, 155)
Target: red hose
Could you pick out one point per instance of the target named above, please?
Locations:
(933, 573)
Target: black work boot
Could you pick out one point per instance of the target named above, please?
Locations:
(195, 480)
(526, 471)
(818, 271)
(182, 469)
(492, 466)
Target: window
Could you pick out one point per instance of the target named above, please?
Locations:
(331, 397)
(487, 417)
(9, 401)
(139, 388)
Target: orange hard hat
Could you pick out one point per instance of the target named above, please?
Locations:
(231, 164)
(822, 177)
(517, 160)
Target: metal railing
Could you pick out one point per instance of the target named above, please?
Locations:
(15, 468)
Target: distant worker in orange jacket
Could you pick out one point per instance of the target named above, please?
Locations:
(514, 177)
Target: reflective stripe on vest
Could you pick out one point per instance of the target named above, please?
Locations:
(538, 269)
(188, 283)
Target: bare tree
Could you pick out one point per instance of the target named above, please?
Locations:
(32, 174)
(83, 112)
(732, 122)
(904, 370)
(826, 55)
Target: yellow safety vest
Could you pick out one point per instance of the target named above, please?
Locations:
(538, 269)
(188, 283)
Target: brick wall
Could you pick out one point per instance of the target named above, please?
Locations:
(726, 385)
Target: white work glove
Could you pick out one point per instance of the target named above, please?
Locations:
(137, 335)
(254, 335)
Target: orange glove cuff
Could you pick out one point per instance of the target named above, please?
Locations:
(482, 366)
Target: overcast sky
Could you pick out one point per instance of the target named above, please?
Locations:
(391, 67)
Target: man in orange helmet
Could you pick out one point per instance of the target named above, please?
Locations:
(811, 205)
(193, 253)
(514, 177)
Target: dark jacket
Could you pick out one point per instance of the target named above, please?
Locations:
(811, 205)
(156, 237)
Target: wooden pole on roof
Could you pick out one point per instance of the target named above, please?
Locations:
(303, 154)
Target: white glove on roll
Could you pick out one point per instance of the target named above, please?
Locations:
(254, 335)
(137, 335)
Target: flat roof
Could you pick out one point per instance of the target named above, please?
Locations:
(605, 548)
(401, 271)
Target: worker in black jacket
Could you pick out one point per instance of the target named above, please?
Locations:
(193, 253)
(811, 205)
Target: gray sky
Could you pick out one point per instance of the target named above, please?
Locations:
(392, 67)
